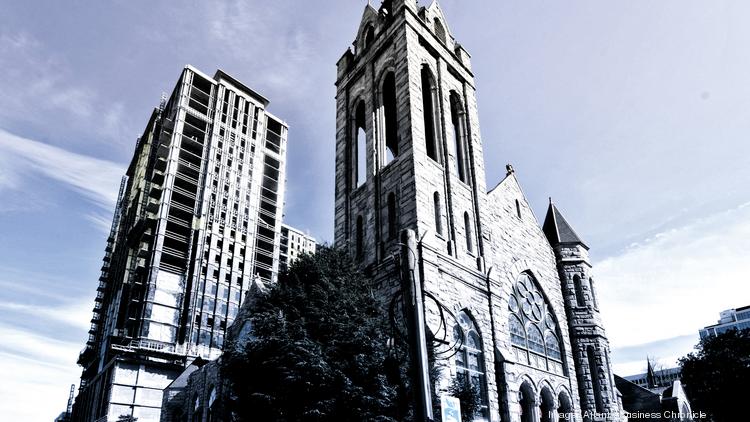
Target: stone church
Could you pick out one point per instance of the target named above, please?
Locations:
(510, 306)
(516, 300)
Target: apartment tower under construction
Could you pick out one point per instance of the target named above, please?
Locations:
(197, 222)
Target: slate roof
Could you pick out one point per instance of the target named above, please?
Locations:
(557, 229)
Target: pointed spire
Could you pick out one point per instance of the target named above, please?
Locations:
(557, 229)
(650, 374)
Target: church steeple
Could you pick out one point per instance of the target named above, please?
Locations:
(409, 151)
(557, 229)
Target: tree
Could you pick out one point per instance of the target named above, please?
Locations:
(468, 395)
(715, 376)
(318, 350)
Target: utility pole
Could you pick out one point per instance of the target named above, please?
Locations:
(414, 306)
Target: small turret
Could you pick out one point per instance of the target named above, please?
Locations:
(587, 336)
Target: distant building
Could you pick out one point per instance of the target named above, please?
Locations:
(731, 319)
(655, 378)
(197, 221)
(293, 243)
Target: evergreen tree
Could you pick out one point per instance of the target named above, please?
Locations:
(318, 350)
(468, 396)
(716, 375)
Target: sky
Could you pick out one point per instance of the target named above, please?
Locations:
(633, 116)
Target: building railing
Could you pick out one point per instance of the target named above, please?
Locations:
(166, 348)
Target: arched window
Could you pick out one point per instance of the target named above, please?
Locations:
(580, 300)
(439, 30)
(392, 223)
(517, 332)
(212, 406)
(470, 358)
(546, 405)
(591, 291)
(518, 208)
(457, 132)
(360, 146)
(360, 237)
(428, 112)
(467, 231)
(369, 37)
(197, 414)
(552, 345)
(531, 322)
(595, 381)
(536, 341)
(438, 213)
(390, 118)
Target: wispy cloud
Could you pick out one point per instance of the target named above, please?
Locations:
(102, 222)
(75, 315)
(281, 50)
(94, 178)
(38, 86)
(631, 360)
(676, 282)
(16, 282)
(35, 367)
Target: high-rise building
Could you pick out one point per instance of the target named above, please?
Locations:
(511, 306)
(293, 243)
(197, 221)
(731, 319)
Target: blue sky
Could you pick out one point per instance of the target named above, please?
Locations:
(634, 116)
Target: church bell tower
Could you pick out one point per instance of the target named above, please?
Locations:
(408, 148)
(588, 339)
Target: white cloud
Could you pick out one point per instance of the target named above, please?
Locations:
(94, 178)
(75, 315)
(35, 367)
(103, 223)
(675, 283)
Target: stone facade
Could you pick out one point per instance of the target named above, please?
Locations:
(409, 156)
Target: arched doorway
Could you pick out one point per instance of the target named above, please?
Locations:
(527, 403)
(564, 408)
(547, 406)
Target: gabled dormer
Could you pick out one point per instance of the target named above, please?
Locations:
(370, 26)
(434, 18)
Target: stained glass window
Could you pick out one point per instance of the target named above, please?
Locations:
(531, 322)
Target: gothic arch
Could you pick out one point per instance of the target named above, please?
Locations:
(527, 394)
(457, 132)
(430, 113)
(358, 142)
(360, 238)
(368, 36)
(564, 404)
(547, 403)
(596, 382)
(388, 112)
(392, 215)
(531, 310)
(470, 359)
(439, 28)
